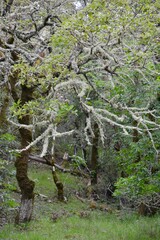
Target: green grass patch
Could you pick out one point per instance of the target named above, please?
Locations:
(75, 220)
(96, 226)
(45, 184)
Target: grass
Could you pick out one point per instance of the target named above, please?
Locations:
(75, 219)
(45, 185)
(96, 226)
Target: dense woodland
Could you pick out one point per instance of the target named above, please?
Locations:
(80, 97)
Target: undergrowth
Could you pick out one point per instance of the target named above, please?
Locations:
(75, 219)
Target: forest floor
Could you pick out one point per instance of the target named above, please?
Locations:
(79, 218)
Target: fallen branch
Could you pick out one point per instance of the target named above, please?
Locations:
(79, 198)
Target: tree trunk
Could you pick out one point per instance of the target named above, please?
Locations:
(26, 185)
(94, 155)
(58, 183)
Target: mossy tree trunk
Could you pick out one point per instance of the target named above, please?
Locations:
(26, 185)
(27, 189)
(23, 94)
(58, 183)
(94, 155)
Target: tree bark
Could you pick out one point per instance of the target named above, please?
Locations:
(94, 155)
(27, 188)
(26, 185)
(58, 183)
(21, 164)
